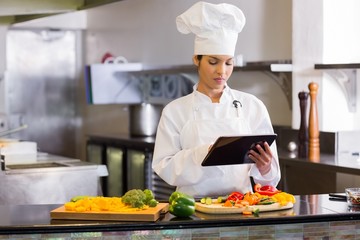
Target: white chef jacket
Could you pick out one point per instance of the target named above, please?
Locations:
(190, 124)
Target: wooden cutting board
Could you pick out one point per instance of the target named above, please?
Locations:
(217, 208)
(147, 215)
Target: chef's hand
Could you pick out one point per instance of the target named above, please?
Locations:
(263, 158)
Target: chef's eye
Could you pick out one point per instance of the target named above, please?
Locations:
(230, 62)
(212, 62)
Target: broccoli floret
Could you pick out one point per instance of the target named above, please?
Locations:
(153, 203)
(149, 196)
(135, 197)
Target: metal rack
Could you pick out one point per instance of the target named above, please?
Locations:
(345, 75)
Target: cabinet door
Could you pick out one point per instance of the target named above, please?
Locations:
(135, 169)
(94, 154)
(115, 181)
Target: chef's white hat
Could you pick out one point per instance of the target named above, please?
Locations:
(216, 27)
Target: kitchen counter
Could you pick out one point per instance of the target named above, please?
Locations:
(311, 216)
(329, 174)
(327, 161)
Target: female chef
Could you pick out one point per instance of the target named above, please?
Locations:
(190, 124)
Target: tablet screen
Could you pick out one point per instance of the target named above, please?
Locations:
(229, 150)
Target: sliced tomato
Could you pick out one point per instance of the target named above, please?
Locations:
(266, 190)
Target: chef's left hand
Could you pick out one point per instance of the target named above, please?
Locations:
(263, 158)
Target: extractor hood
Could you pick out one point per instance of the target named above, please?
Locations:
(15, 11)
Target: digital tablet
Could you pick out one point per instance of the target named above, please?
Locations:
(229, 150)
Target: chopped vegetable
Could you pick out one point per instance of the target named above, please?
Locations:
(229, 203)
(256, 212)
(135, 197)
(235, 196)
(149, 196)
(284, 198)
(206, 200)
(138, 198)
(221, 199)
(113, 204)
(266, 190)
(266, 201)
(181, 205)
(77, 198)
(247, 212)
(252, 199)
(244, 203)
(153, 203)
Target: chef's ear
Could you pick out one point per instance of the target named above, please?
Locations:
(196, 60)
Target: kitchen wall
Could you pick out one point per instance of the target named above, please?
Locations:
(3, 30)
(145, 31)
(327, 32)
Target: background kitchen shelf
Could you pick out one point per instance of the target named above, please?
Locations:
(345, 74)
(337, 66)
(273, 66)
(280, 71)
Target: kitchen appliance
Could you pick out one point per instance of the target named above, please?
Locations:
(144, 119)
(50, 180)
(41, 88)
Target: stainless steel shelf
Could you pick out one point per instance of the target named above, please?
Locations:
(337, 66)
(280, 71)
(345, 74)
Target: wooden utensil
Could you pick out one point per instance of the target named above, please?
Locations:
(217, 208)
(147, 215)
(314, 142)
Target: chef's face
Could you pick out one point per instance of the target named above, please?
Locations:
(214, 70)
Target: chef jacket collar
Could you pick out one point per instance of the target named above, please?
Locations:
(203, 97)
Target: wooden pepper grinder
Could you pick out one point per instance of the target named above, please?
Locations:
(303, 150)
(314, 142)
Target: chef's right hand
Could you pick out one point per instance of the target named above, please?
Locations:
(262, 158)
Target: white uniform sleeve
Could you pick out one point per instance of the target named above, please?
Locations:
(264, 126)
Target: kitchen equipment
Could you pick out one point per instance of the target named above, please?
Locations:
(10, 131)
(150, 214)
(144, 119)
(50, 180)
(218, 208)
(303, 135)
(40, 95)
(17, 152)
(314, 140)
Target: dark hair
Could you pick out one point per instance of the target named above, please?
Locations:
(199, 57)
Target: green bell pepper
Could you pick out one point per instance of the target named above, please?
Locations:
(181, 205)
